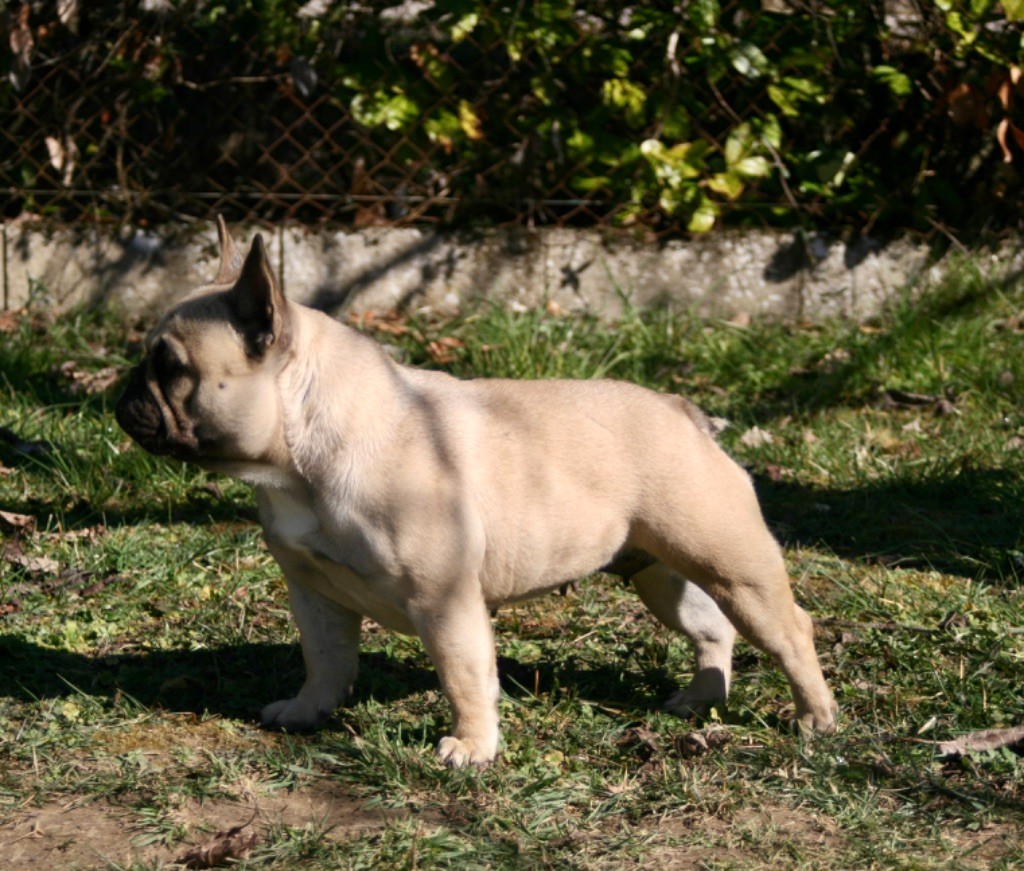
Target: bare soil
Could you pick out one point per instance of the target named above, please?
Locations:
(82, 834)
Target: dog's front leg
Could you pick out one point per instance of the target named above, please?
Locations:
(458, 638)
(329, 635)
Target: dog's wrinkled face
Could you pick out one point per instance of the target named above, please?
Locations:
(205, 390)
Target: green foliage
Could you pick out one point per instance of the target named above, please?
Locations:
(829, 113)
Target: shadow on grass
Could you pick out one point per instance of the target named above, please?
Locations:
(967, 524)
(231, 681)
(238, 680)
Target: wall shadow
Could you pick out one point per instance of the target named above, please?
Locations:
(965, 524)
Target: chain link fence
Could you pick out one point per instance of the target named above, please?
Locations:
(535, 113)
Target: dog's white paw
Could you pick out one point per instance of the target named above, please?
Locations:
(293, 715)
(456, 753)
(688, 704)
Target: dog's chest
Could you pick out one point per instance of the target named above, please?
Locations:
(341, 567)
(288, 520)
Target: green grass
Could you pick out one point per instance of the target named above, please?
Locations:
(133, 663)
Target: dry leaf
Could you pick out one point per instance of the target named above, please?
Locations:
(980, 742)
(755, 437)
(67, 12)
(966, 105)
(231, 846)
(16, 523)
(22, 43)
(554, 309)
(36, 565)
(777, 473)
(833, 360)
(699, 743)
(740, 319)
(89, 383)
(63, 157)
(9, 320)
(440, 350)
(1001, 131)
(393, 323)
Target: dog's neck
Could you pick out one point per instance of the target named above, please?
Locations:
(340, 406)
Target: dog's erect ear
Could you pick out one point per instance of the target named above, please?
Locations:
(230, 256)
(257, 302)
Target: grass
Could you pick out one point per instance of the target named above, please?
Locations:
(143, 623)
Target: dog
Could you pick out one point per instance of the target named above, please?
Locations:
(425, 502)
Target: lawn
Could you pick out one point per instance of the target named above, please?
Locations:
(143, 623)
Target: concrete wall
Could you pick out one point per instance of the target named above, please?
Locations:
(725, 274)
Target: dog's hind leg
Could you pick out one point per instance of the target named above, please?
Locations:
(726, 548)
(683, 606)
(751, 587)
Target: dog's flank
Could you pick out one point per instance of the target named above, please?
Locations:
(425, 502)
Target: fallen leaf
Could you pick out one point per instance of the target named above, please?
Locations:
(982, 741)
(554, 309)
(9, 320)
(699, 743)
(232, 845)
(89, 383)
(641, 740)
(22, 43)
(440, 350)
(393, 323)
(1008, 132)
(755, 437)
(67, 12)
(966, 106)
(833, 360)
(16, 523)
(740, 319)
(36, 565)
(777, 473)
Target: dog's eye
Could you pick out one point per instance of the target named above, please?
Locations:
(167, 363)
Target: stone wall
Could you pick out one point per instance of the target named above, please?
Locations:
(725, 274)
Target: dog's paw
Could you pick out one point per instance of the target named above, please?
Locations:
(456, 753)
(293, 715)
(818, 722)
(688, 704)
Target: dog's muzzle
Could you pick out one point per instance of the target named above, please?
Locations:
(138, 414)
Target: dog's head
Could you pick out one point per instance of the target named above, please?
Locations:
(206, 389)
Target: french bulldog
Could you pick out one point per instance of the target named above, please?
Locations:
(425, 502)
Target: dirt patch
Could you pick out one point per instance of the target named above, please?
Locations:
(84, 834)
(747, 838)
(770, 836)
